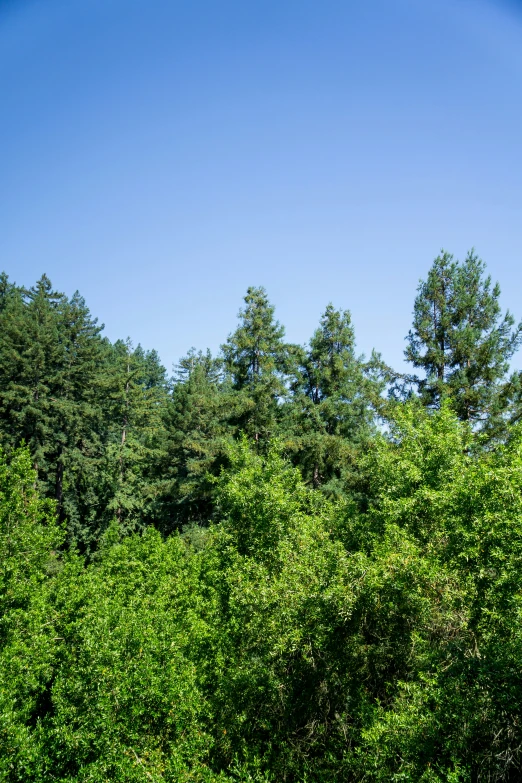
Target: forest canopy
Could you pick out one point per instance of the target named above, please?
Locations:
(284, 563)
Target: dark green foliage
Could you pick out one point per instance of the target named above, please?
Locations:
(257, 360)
(332, 411)
(51, 357)
(461, 341)
(196, 429)
(88, 411)
(31, 360)
(135, 398)
(7, 291)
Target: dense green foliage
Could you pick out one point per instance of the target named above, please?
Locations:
(460, 339)
(239, 574)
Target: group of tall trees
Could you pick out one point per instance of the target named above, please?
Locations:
(113, 438)
(284, 563)
(88, 410)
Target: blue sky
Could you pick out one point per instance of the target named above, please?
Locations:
(162, 156)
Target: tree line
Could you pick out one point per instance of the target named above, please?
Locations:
(285, 563)
(113, 438)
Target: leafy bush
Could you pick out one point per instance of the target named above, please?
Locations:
(295, 639)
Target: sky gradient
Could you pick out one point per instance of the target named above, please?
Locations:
(162, 156)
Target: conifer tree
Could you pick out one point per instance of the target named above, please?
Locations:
(152, 373)
(332, 411)
(196, 429)
(461, 340)
(7, 291)
(80, 426)
(136, 395)
(51, 353)
(30, 354)
(257, 360)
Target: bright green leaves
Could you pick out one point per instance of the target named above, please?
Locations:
(413, 472)
(463, 514)
(294, 639)
(29, 562)
(28, 534)
(320, 637)
(127, 697)
(260, 500)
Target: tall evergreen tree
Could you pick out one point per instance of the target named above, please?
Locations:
(50, 358)
(196, 429)
(257, 360)
(7, 291)
(30, 354)
(332, 410)
(152, 374)
(136, 395)
(80, 427)
(461, 340)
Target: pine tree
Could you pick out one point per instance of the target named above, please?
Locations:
(331, 414)
(196, 429)
(7, 291)
(152, 373)
(257, 361)
(50, 356)
(461, 340)
(136, 395)
(80, 430)
(30, 355)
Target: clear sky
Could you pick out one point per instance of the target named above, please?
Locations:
(162, 156)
